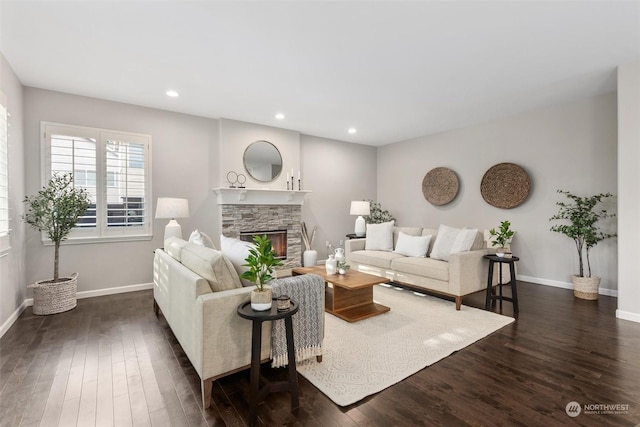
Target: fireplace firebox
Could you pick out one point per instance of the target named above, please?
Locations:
(278, 240)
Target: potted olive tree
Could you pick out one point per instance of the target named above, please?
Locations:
(581, 217)
(261, 262)
(55, 210)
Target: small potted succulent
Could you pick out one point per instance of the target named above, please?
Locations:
(55, 210)
(502, 237)
(261, 262)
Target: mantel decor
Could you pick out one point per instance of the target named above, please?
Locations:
(505, 185)
(440, 186)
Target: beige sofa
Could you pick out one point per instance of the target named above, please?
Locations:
(464, 273)
(215, 339)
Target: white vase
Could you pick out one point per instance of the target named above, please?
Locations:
(339, 255)
(261, 300)
(309, 258)
(331, 265)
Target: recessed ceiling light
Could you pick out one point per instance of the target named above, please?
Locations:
(172, 93)
(280, 116)
(352, 130)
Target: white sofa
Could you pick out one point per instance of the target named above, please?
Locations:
(464, 273)
(215, 339)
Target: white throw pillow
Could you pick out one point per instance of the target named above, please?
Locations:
(452, 240)
(409, 245)
(237, 252)
(201, 239)
(379, 237)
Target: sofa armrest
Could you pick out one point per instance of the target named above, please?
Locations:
(468, 272)
(225, 344)
(352, 245)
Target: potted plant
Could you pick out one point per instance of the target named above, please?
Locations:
(55, 210)
(502, 236)
(309, 256)
(377, 215)
(343, 267)
(261, 262)
(582, 227)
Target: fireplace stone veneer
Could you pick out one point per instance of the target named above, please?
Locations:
(237, 218)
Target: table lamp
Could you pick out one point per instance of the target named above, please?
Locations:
(169, 207)
(359, 207)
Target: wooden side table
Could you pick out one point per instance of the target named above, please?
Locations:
(512, 282)
(258, 394)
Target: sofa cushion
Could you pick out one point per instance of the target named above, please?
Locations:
(433, 232)
(237, 252)
(411, 231)
(427, 267)
(379, 237)
(201, 238)
(173, 246)
(211, 265)
(380, 259)
(452, 240)
(412, 245)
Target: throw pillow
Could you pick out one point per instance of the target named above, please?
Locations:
(452, 240)
(237, 252)
(379, 237)
(173, 246)
(201, 239)
(211, 265)
(409, 245)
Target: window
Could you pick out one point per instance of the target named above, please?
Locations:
(4, 174)
(115, 169)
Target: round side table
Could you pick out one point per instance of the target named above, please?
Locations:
(514, 288)
(258, 394)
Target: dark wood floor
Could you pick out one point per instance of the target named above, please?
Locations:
(112, 362)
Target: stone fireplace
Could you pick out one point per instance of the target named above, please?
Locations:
(244, 212)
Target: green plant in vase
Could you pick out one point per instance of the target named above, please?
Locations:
(262, 262)
(501, 236)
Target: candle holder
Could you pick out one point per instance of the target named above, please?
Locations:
(283, 302)
(299, 185)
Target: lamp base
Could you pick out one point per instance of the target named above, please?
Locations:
(361, 227)
(172, 229)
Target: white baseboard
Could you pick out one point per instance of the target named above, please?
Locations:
(80, 295)
(627, 315)
(14, 316)
(564, 285)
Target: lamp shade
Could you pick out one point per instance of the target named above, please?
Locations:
(359, 207)
(169, 207)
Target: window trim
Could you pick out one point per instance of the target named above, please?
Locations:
(101, 232)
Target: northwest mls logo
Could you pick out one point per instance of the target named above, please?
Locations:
(573, 409)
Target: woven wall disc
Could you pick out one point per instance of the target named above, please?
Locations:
(505, 185)
(440, 186)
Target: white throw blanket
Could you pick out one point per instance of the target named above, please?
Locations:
(308, 323)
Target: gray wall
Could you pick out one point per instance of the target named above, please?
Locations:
(628, 179)
(571, 147)
(12, 263)
(337, 173)
(181, 153)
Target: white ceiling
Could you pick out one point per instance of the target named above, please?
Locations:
(393, 70)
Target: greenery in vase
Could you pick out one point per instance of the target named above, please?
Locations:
(55, 210)
(261, 262)
(502, 235)
(376, 214)
(342, 265)
(582, 227)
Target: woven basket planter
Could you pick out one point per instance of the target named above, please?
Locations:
(52, 298)
(585, 287)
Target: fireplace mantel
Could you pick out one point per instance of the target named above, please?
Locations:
(259, 196)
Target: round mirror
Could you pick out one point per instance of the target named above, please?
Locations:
(263, 161)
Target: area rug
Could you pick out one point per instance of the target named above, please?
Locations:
(365, 357)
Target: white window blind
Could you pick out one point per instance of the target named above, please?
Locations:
(115, 168)
(4, 169)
